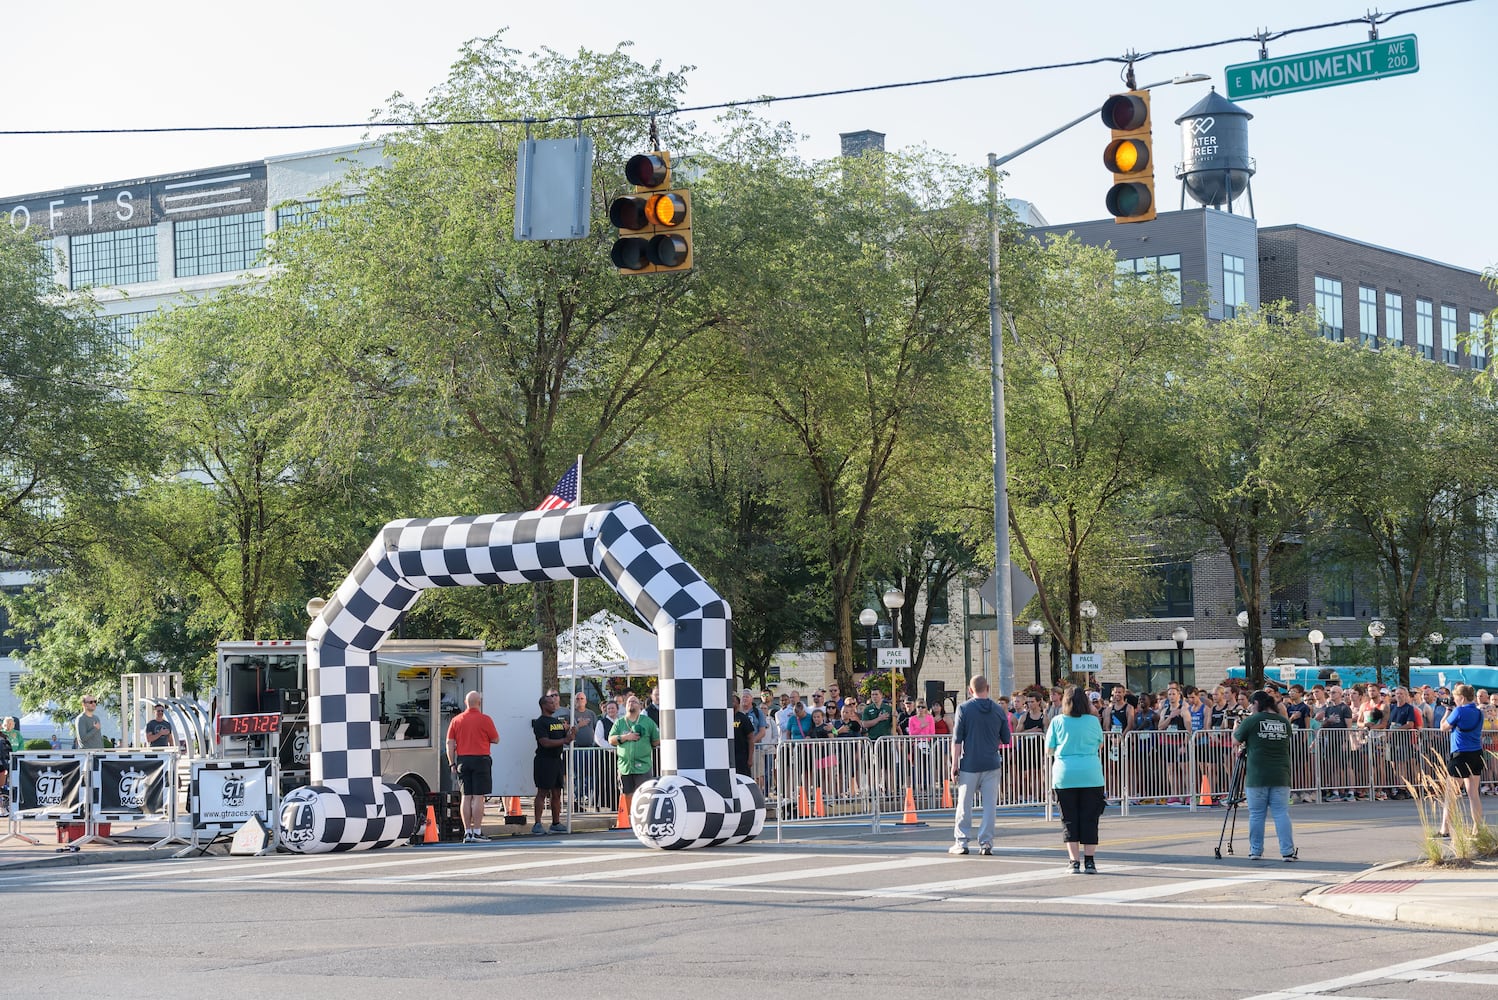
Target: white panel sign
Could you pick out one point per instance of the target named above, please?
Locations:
(897, 658)
(1089, 663)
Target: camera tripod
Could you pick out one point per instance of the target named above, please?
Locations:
(1235, 796)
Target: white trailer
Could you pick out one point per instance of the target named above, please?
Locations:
(422, 686)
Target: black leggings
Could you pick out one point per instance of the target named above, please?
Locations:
(1081, 808)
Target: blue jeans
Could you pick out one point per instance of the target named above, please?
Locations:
(970, 783)
(1274, 799)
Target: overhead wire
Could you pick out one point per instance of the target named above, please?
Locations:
(1372, 19)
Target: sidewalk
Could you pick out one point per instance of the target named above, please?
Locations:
(1460, 899)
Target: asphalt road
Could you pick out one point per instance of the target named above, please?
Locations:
(831, 913)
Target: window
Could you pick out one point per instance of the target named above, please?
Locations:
(299, 213)
(9, 644)
(121, 257)
(1448, 335)
(1425, 334)
(1233, 285)
(1329, 307)
(1477, 332)
(121, 329)
(1368, 315)
(1341, 597)
(213, 246)
(937, 610)
(1154, 267)
(1173, 591)
(1154, 669)
(1394, 318)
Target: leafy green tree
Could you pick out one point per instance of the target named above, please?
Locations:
(503, 359)
(1087, 389)
(68, 436)
(857, 312)
(1267, 420)
(1420, 510)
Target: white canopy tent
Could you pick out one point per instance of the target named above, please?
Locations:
(607, 646)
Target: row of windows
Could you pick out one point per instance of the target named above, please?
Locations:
(201, 246)
(1152, 267)
(121, 328)
(1327, 294)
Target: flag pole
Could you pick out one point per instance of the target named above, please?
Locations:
(575, 584)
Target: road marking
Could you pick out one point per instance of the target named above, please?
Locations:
(1010, 878)
(297, 863)
(546, 863)
(1140, 893)
(588, 876)
(1477, 953)
(808, 873)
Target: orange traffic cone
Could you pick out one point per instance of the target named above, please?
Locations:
(430, 834)
(513, 815)
(1205, 798)
(803, 809)
(821, 809)
(911, 819)
(946, 793)
(621, 822)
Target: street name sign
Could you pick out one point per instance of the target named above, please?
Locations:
(1323, 68)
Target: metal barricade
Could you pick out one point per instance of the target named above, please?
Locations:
(821, 780)
(1116, 769)
(1343, 770)
(1024, 775)
(1212, 765)
(1303, 765)
(1158, 766)
(913, 770)
(592, 780)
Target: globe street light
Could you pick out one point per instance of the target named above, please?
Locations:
(1036, 630)
(894, 600)
(1089, 612)
(1178, 672)
(1376, 632)
(1316, 638)
(868, 618)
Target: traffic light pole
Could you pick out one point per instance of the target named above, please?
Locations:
(1004, 611)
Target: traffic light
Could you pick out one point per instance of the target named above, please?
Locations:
(1130, 157)
(655, 223)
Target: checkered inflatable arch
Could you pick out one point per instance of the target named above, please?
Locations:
(698, 802)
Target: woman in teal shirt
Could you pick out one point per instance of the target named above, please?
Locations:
(1073, 740)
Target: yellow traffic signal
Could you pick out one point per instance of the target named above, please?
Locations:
(655, 223)
(1129, 157)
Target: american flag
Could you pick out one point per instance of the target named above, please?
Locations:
(564, 493)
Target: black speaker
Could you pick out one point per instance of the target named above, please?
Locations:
(935, 692)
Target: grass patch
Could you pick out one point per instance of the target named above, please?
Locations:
(1435, 792)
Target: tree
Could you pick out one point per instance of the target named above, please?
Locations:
(1268, 419)
(503, 359)
(1087, 389)
(855, 332)
(1422, 510)
(68, 435)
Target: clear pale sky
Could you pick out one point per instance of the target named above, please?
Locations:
(1406, 162)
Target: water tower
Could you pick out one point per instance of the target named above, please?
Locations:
(1217, 167)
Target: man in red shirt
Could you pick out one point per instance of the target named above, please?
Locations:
(469, 737)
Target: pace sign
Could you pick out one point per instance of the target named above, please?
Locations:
(1323, 68)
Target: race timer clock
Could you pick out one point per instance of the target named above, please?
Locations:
(249, 725)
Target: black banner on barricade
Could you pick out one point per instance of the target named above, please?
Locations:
(225, 793)
(50, 784)
(129, 786)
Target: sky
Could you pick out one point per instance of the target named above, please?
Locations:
(1405, 162)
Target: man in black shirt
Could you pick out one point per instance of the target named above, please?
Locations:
(159, 731)
(552, 736)
(1334, 743)
(744, 737)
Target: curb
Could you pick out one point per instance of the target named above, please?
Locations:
(1448, 914)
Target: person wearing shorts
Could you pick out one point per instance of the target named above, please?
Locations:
(552, 736)
(1464, 723)
(469, 737)
(636, 736)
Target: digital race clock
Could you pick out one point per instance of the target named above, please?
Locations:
(249, 725)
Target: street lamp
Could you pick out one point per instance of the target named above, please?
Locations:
(868, 618)
(1178, 672)
(1316, 638)
(1003, 607)
(1435, 639)
(1089, 612)
(894, 600)
(1036, 630)
(1376, 632)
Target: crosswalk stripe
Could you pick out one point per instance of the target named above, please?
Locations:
(810, 873)
(593, 859)
(1387, 972)
(550, 861)
(653, 870)
(282, 865)
(1192, 885)
(1009, 878)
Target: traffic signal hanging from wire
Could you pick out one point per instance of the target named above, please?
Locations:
(655, 223)
(1130, 157)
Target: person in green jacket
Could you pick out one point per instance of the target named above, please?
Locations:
(636, 736)
(1265, 736)
(1074, 740)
